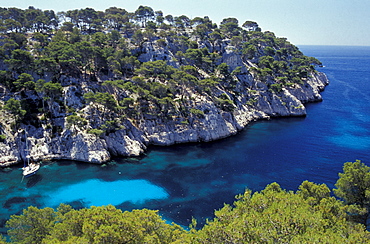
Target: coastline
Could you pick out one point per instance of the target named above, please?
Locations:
(134, 139)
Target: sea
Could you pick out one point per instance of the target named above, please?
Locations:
(193, 180)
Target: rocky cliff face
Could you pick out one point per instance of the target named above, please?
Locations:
(252, 99)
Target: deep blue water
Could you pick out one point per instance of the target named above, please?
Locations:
(193, 180)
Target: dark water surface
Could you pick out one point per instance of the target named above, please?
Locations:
(193, 180)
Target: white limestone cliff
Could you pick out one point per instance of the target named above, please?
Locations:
(134, 138)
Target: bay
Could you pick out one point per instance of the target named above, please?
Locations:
(192, 180)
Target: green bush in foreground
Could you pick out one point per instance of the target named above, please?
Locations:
(94, 225)
(278, 216)
(272, 215)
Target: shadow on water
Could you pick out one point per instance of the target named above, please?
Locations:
(6, 170)
(33, 180)
(83, 166)
(107, 172)
(78, 165)
(127, 205)
(183, 210)
(14, 200)
(77, 204)
(2, 223)
(65, 162)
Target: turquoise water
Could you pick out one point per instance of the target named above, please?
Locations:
(97, 192)
(195, 179)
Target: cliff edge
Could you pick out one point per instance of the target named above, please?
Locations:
(91, 99)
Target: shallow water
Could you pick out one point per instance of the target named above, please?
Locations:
(195, 179)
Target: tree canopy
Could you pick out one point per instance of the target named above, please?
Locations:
(353, 186)
(273, 215)
(104, 224)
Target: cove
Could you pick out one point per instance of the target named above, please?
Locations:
(192, 180)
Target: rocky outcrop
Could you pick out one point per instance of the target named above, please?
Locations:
(252, 100)
(134, 139)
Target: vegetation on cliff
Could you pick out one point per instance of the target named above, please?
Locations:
(273, 215)
(132, 67)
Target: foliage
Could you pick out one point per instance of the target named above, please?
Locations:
(197, 112)
(32, 226)
(53, 90)
(225, 103)
(6, 79)
(76, 121)
(14, 106)
(277, 87)
(24, 81)
(2, 239)
(96, 132)
(111, 126)
(103, 98)
(20, 61)
(2, 138)
(312, 192)
(272, 215)
(353, 186)
(251, 25)
(95, 225)
(223, 68)
(278, 216)
(229, 27)
(155, 69)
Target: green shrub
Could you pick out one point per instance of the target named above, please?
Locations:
(96, 132)
(197, 112)
(225, 103)
(251, 101)
(277, 87)
(2, 138)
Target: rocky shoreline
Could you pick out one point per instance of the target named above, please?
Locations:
(135, 137)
